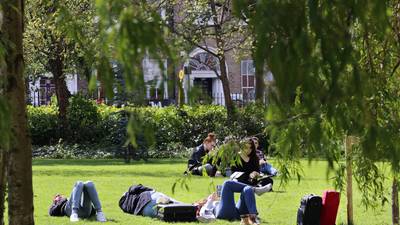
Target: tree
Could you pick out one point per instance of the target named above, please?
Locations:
(211, 26)
(50, 47)
(19, 163)
(331, 62)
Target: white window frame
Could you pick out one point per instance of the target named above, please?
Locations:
(246, 63)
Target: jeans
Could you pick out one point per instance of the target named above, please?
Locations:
(83, 198)
(150, 209)
(268, 169)
(227, 209)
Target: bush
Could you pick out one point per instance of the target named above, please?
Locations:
(158, 132)
(83, 120)
(43, 124)
(70, 151)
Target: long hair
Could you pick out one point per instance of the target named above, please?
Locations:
(253, 153)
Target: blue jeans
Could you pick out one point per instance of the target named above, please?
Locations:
(83, 198)
(227, 209)
(268, 169)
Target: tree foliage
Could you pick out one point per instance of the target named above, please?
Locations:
(211, 27)
(334, 67)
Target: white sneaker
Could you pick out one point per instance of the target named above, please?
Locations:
(261, 190)
(74, 217)
(100, 217)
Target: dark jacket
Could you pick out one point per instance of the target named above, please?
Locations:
(196, 159)
(58, 208)
(247, 168)
(135, 199)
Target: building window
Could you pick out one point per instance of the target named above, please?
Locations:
(153, 77)
(248, 79)
(204, 61)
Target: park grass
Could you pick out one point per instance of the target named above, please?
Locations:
(112, 178)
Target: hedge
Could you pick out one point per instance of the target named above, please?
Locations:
(160, 132)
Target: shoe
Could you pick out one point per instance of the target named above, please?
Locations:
(254, 219)
(100, 217)
(74, 217)
(261, 190)
(245, 219)
(249, 219)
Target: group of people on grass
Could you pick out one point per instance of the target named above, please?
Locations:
(253, 159)
(84, 201)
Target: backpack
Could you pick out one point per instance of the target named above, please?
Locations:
(309, 210)
(135, 199)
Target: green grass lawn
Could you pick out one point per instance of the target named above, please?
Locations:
(112, 178)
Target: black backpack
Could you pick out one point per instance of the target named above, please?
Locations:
(309, 210)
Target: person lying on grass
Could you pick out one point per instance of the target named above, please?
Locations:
(142, 200)
(83, 203)
(224, 207)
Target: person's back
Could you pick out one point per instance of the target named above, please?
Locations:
(195, 163)
(196, 157)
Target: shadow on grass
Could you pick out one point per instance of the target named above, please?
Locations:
(93, 219)
(278, 191)
(101, 162)
(105, 173)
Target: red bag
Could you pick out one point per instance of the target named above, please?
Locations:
(330, 205)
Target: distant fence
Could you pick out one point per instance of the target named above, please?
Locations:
(238, 99)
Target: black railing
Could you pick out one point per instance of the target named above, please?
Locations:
(238, 99)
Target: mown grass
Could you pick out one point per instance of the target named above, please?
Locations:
(113, 177)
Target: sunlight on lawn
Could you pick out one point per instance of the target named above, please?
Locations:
(112, 179)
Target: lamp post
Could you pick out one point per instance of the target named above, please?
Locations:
(181, 96)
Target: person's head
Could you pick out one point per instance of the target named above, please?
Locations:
(256, 142)
(212, 136)
(249, 148)
(57, 198)
(208, 144)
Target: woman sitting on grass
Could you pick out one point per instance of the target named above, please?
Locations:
(195, 163)
(249, 163)
(83, 203)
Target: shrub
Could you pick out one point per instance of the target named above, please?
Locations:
(83, 120)
(43, 124)
(158, 132)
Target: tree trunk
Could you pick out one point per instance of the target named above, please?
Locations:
(260, 85)
(395, 201)
(19, 166)
(3, 183)
(171, 73)
(171, 81)
(349, 183)
(259, 73)
(62, 93)
(230, 108)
